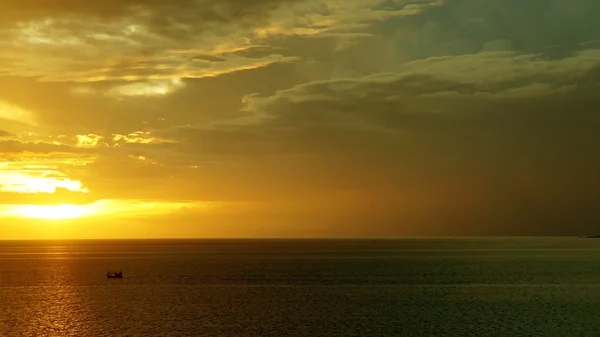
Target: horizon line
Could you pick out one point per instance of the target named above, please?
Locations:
(301, 238)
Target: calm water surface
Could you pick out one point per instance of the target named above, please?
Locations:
(410, 287)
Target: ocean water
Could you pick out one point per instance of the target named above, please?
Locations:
(409, 287)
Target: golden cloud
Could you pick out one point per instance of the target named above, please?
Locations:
(136, 43)
(36, 182)
(138, 137)
(88, 141)
(41, 173)
(15, 113)
(149, 88)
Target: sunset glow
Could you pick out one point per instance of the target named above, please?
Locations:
(30, 182)
(101, 208)
(283, 118)
(52, 212)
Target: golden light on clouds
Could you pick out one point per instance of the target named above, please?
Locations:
(125, 108)
(15, 113)
(88, 141)
(149, 88)
(91, 141)
(37, 181)
(138, 137)
(44, 163)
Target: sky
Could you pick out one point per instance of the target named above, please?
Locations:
(290, 118)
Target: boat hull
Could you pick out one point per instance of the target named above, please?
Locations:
(114, 275)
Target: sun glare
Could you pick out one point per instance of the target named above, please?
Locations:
(115, 208)
(51, 212)
(28, 182)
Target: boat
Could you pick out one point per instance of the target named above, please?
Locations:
(114, 274)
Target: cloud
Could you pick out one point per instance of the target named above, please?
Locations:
(17, 146)
(487, 134)
(138, 137)
(37, 181)
(33, 167)
(139, 40)
(26, 176)
(133, 42)
(88, 141)
(382, 112)
(555, 28)
(4, 134)
(153, 88)
(150, 88)
(12, 112)
(423, 94)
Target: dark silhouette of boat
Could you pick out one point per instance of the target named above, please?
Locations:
(114, 274)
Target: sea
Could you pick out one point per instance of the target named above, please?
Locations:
(519, 286)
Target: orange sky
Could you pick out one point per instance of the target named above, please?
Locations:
(288, 118)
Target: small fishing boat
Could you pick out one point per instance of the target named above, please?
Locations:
(114, 274)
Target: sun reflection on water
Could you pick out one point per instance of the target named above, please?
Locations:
(57, 305)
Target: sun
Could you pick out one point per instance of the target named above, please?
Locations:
(51, 212)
